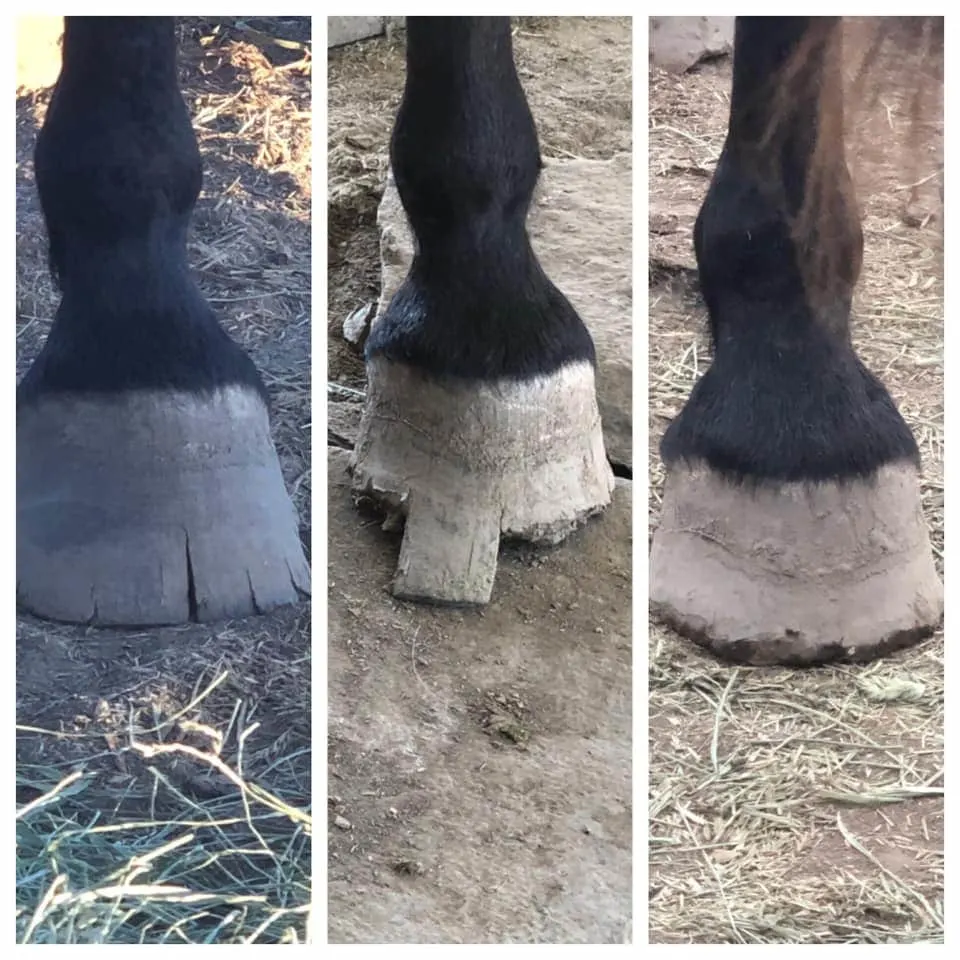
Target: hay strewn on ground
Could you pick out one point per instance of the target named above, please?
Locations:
(791, 806)
(163, 776)
(176, 845)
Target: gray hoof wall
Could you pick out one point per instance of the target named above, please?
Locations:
(798, 573)
(153, 508)
(467, 463)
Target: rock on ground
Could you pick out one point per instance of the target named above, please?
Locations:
(679, 43)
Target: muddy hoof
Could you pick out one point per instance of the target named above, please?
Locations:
(467, 463)
(150, 509)
(800, 574)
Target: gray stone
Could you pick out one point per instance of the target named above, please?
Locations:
(679, 43)
(344, 30)
(357, 326)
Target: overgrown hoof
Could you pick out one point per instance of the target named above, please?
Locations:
(797, 574)
(467, 463)
(153, 508)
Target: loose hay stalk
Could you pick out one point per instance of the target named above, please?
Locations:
(209, 863)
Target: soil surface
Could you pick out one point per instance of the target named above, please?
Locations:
(479, 760)
(81, 693)
(792, 806)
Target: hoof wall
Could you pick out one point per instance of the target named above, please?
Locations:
(795, 574)
(153, 509)
(467, 463)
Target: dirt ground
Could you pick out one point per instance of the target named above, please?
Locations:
(479, 761)
(791, 806)
(84, 696)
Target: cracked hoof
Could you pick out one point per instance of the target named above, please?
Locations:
(799, 574)
(467, 463)
(150, 508)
